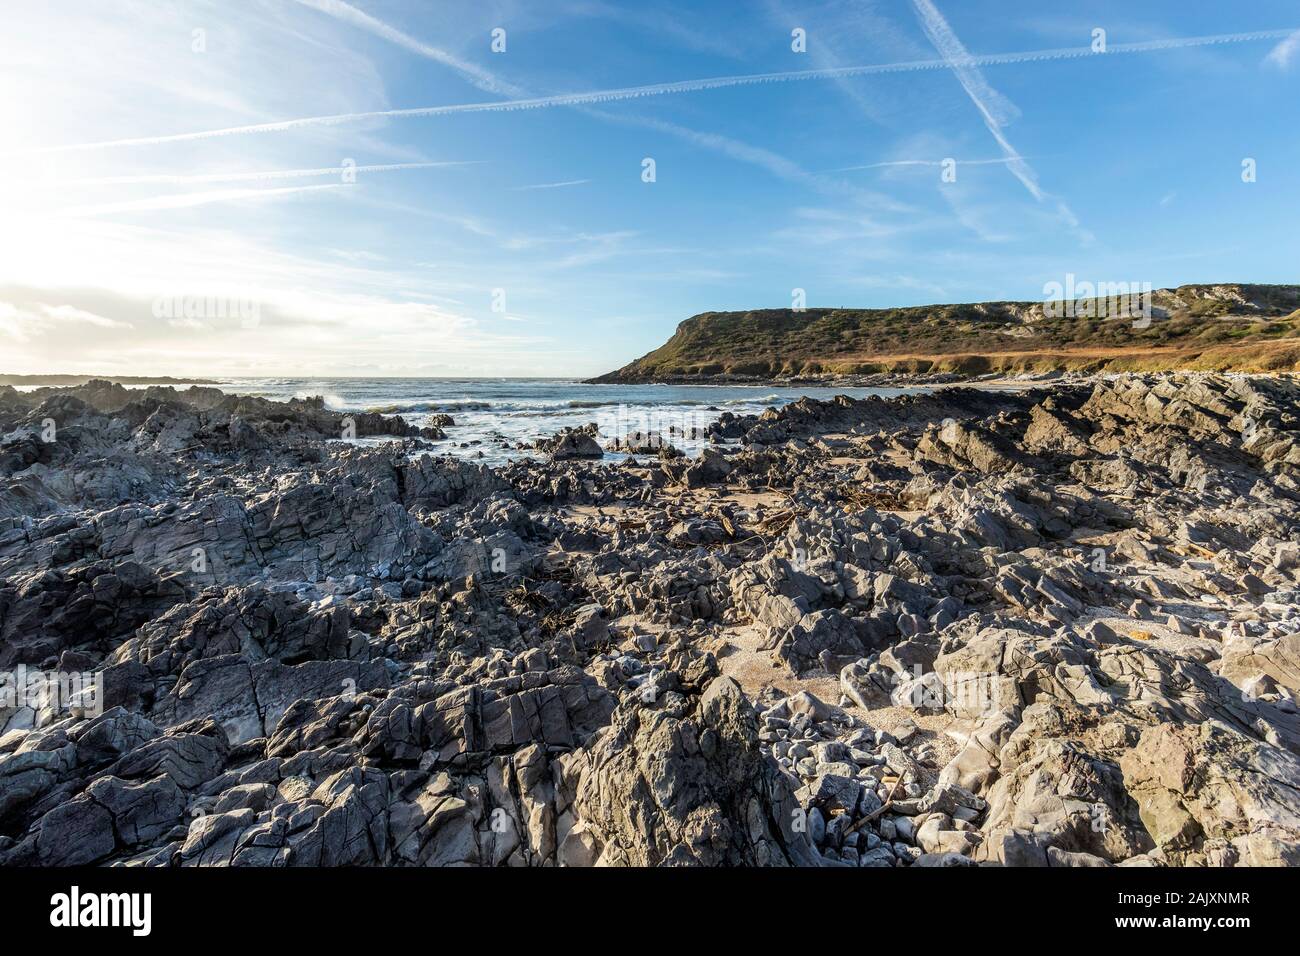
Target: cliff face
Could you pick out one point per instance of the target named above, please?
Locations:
(1221, 327)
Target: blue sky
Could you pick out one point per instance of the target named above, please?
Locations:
(526, 241)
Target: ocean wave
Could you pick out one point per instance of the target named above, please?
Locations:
(424, 408)
(332, 402)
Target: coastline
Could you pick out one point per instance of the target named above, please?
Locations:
(877, 380)
(914, 379)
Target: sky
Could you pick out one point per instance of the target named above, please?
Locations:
(512, 188)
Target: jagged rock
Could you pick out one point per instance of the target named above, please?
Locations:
(713, 797)
(188, 755)
(959, 445)
(248, 700)
(1051, 431)
(1061, 796)
(553, 708)
(572, 443)
(712, 466)
(1279, 660)
(643, 443)
(1198, 784)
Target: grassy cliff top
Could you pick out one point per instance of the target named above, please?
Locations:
(1222, 327)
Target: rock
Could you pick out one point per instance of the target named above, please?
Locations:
(809, 704)
(1194, 784)
(187, 758)
(1059, 857)
(643, 443)
(949, 799)
(1065, 798)
(142, 812)
(833, 791)
(75, 833)
(1277, 659)
(816, 826)
(905, 730)
(572, 443)
(943, 860)
(704, 777)
(298, 650)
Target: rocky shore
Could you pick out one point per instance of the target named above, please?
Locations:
(1055, 626)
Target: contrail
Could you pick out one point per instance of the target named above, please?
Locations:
(1001, 161)
(486, 80)
(479, 77)
(993, 107)
(570, 182)
(682, 86)
(264, 176)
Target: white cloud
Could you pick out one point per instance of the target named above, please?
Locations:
(839, 228)
(176, 179)
(15, 324)
(898, 281)
(31, 321)
(322, 314)
(187, 200)
(68, 313)
(1282, 54)
(136, 67)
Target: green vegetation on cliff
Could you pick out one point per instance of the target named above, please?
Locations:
(1224, 327)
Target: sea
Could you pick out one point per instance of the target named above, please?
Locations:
(493, 416)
